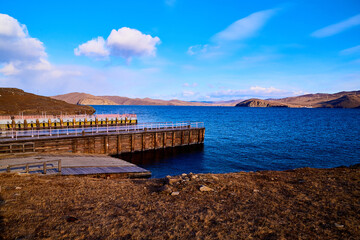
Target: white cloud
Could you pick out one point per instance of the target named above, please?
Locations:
(228, 39)
(10, 27)
(16, 44)
(188, 93)
(254, 91)
(244, 28)
(349, 51)
(93, 48)
(190, 85)
(125, 42)
(337, 28)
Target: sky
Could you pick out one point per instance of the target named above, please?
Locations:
(181, 49)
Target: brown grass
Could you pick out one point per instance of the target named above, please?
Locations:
(299, 204)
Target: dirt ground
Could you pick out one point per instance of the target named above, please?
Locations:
(298, 204)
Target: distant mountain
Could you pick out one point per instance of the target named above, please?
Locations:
(15, 101)
(318, 100)
(346, 101)
(83, 99)
(88, 99)
(254, 102)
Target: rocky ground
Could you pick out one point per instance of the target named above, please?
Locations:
(297, 204)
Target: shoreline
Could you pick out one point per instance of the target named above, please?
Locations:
(303, 203)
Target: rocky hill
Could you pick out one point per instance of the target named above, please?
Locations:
(254, 102)
(346, 101)
(88, 99)
(322, 100)
(14, 101)
(318, 100)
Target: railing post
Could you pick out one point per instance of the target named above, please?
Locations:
(59, 165)
(27, 168)
(44, 167)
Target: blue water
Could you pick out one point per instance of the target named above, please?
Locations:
(251, 139)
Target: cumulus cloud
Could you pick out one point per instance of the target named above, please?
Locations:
(337, 28)
(125, 43)
(16, 44)
(93, 48)
(240, 30)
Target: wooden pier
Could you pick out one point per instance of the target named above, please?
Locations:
(106, 141)
(110, 143)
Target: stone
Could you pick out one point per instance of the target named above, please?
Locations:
(165, 188)
(18, 188)
(175, 193)
(71, 219)
(169, 180)
(184, 175)
(194, 176)
(215, 178)
(339, 225)
(204, 188)
(256, 190)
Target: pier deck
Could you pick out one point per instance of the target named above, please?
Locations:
(98, 165)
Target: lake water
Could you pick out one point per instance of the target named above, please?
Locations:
(251, 139)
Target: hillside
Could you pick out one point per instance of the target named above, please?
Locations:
(83, 99)
(254, 102)
(14, 101)
(320, 100)
(346, 101)
(88, 99)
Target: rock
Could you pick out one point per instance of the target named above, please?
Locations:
(215, 178)
(184, 175)
(256, 190)
(339, 225)
(71, 219)
(194, 176)
(204, 188)
(175, 193)
(165, 189)
(169, 180)
(18, 188)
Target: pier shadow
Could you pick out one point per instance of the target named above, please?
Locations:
(168, 161)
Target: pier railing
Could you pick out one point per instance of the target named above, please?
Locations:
(43, 133)
(33, 167)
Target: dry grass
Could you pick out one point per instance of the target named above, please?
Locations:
(300, 204)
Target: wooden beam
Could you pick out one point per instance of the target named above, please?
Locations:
(155, 138)
(106, 144)
(164, 139)
(173, 138)
(189, 141)
(142, 142)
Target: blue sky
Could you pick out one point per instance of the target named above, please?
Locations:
(189, 50)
